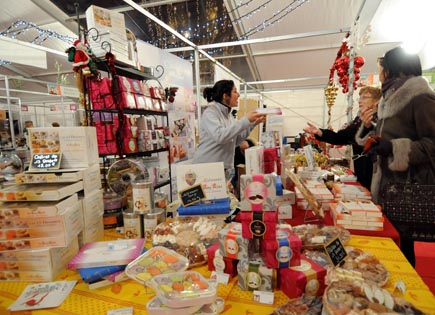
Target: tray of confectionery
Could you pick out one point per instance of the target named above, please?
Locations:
(188, 236)
(303, 305)
(359, 297)
(363, 264)
(315, 236)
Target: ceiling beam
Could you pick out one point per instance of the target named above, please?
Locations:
(51, 9)
(121, 9)
(263, 40)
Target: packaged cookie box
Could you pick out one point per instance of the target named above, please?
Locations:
(155, 261)
(307, 278)
(259, 225)
(90, 176)
(258, 192)
(38, 265)
(55, 231)
(254, 163)
(284, 251)
(78, 145)
(219, 263)
(92, 232)
(254, 275)
(184, 289)
(39, 192)
(231, 242)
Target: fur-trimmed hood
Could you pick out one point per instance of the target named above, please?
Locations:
(394, 101)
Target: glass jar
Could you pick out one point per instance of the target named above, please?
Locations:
(10, 164)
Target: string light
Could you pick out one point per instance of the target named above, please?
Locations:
(275, 18)
(20, 27)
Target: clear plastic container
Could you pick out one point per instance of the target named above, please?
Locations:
(183, 289)
(156, 261)
(156, 307)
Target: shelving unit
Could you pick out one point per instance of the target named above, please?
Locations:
(119, 111)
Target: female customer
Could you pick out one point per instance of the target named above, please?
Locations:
(219, 132)
(406, 116)
(369, 97)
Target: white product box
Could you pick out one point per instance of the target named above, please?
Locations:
(78, 145)
(92, 206)
(56, 231)
(254, 160)
(284, 203)
(90, 176)
(94, 232)
(39, 192)
(106, 20)
(10, 211)
(38, 265)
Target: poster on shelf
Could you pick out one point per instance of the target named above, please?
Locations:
(182, 133)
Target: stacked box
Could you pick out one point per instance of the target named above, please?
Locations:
(77, 144)
(308, 278)
(351, 191)
(36, 265)
(231, 242)
(285, 204)
(259, 225)
(258, 192)
(254, 160)
(219, 263)
(92, 206)
(284, 251)
(358, 215)
(254, 275)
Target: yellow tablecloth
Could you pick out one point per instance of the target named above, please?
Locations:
(132, 294)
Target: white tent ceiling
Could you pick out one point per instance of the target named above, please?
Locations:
(310, 36)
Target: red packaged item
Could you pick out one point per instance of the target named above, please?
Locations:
(259, 225)
(271, 161)
(307, 278)
(284, 251)
(101, 93)
(219, 263)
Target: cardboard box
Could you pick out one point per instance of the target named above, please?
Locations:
(56, 231)
(284, 251)
(39, 265)
(219, 263)
(21, 210)
(258, 192)
(39, 192)
(259, 225)
(254, 275)
(93, 232)
(92, 206)
(308, 278)
(106, 20)
(231, 242)
(90, 176)
(254, 160)
(78, 145)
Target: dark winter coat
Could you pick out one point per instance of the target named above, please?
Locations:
(406, 116)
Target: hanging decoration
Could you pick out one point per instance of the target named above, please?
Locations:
(342, 67)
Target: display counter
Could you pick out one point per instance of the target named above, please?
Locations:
(130, 293)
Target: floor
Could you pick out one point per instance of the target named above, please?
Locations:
(425, 257)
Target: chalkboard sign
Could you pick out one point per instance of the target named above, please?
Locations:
(41, 161)
(336, 251)
(192, 195)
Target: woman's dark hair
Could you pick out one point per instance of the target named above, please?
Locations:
(217, 92)
(398, 63)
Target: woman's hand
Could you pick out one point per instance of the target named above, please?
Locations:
(255, 117)
(313, 130)
(366, 116)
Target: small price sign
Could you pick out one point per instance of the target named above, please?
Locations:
(336, 251)
(192, 195)
(45, 161)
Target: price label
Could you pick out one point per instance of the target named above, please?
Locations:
(264, 297)
(45, 161)
(336, 251)
(192, 195)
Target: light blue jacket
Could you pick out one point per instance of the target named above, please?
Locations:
(219, 134)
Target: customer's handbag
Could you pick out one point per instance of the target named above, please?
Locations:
(411, 206)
